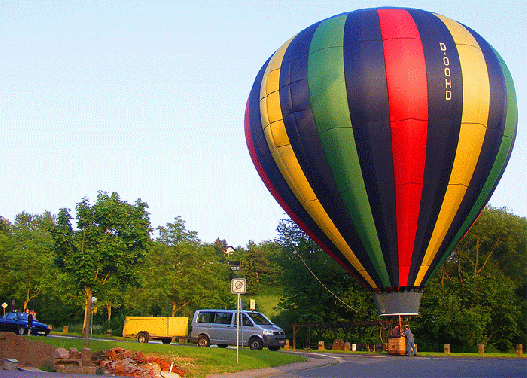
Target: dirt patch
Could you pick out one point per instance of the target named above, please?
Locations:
(27, 352)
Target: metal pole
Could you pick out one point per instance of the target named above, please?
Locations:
(237, 325)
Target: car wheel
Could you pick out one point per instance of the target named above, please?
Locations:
(20, 330)
(142, 337)
(203, 341)
(274, 349)
(255, 344)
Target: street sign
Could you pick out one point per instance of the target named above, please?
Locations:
(238, 286)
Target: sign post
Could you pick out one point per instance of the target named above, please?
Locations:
(238, 286)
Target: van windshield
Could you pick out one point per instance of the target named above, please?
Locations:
(259, 318)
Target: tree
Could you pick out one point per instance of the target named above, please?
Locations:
(181, 274)
(28, 256)
(259, 266)
(110, 239)
(478, 296)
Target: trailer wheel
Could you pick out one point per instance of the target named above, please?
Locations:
(203, 341)
(142, 337)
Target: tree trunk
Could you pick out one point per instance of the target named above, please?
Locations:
(109, 310)
(87, 315)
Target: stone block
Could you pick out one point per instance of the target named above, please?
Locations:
(61, 353)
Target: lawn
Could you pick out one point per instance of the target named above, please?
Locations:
(199, 362)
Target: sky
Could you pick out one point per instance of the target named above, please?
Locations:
(147, 99)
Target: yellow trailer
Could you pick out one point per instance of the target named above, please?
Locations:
(146, 328)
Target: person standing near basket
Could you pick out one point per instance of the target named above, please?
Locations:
(409, 340)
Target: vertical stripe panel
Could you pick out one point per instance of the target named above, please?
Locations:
(408, 104)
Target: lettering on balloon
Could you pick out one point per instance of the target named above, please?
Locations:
(446, 71)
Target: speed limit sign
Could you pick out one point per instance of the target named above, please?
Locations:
(238, 286)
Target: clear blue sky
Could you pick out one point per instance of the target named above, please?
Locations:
(147, 99)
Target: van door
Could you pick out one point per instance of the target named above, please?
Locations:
(222, 329)
(247, 329)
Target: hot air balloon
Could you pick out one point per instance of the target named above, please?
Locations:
(382, 133)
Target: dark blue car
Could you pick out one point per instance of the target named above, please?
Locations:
(17, 322)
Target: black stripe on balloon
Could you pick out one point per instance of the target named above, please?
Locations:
(365, 75)
(302, 132)
(445, 108)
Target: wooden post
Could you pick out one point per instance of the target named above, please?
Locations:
(481, 348)
(294, 337)
(519, 349)
(447, 348)
(321, 345)
(65, 329)
(286, 346)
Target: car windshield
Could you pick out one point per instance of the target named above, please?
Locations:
(259, 318)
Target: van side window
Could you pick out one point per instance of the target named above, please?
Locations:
(246, 322)
(223, 318)
(206, 317)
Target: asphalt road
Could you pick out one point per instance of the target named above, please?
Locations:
(415, 367)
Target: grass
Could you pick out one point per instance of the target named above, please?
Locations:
(267, 301)
(199, 362)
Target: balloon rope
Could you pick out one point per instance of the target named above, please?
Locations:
(320, 282)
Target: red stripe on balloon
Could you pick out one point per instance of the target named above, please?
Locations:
(283, 204)
(408, 105)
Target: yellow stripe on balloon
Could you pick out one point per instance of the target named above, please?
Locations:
(476, 103)
(285, 158)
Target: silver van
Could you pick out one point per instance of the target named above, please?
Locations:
(218, 327)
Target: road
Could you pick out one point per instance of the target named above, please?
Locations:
(359, 366)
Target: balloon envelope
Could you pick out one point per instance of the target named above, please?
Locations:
(383, 133)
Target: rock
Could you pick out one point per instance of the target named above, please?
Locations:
(61, 353)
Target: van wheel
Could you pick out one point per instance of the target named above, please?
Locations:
(203, 341)
(142, 337)
(255, 344)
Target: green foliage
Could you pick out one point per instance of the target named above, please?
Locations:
(111, 239)
(259, 265)
(316, 289)
(478, 297)
(181, 274)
